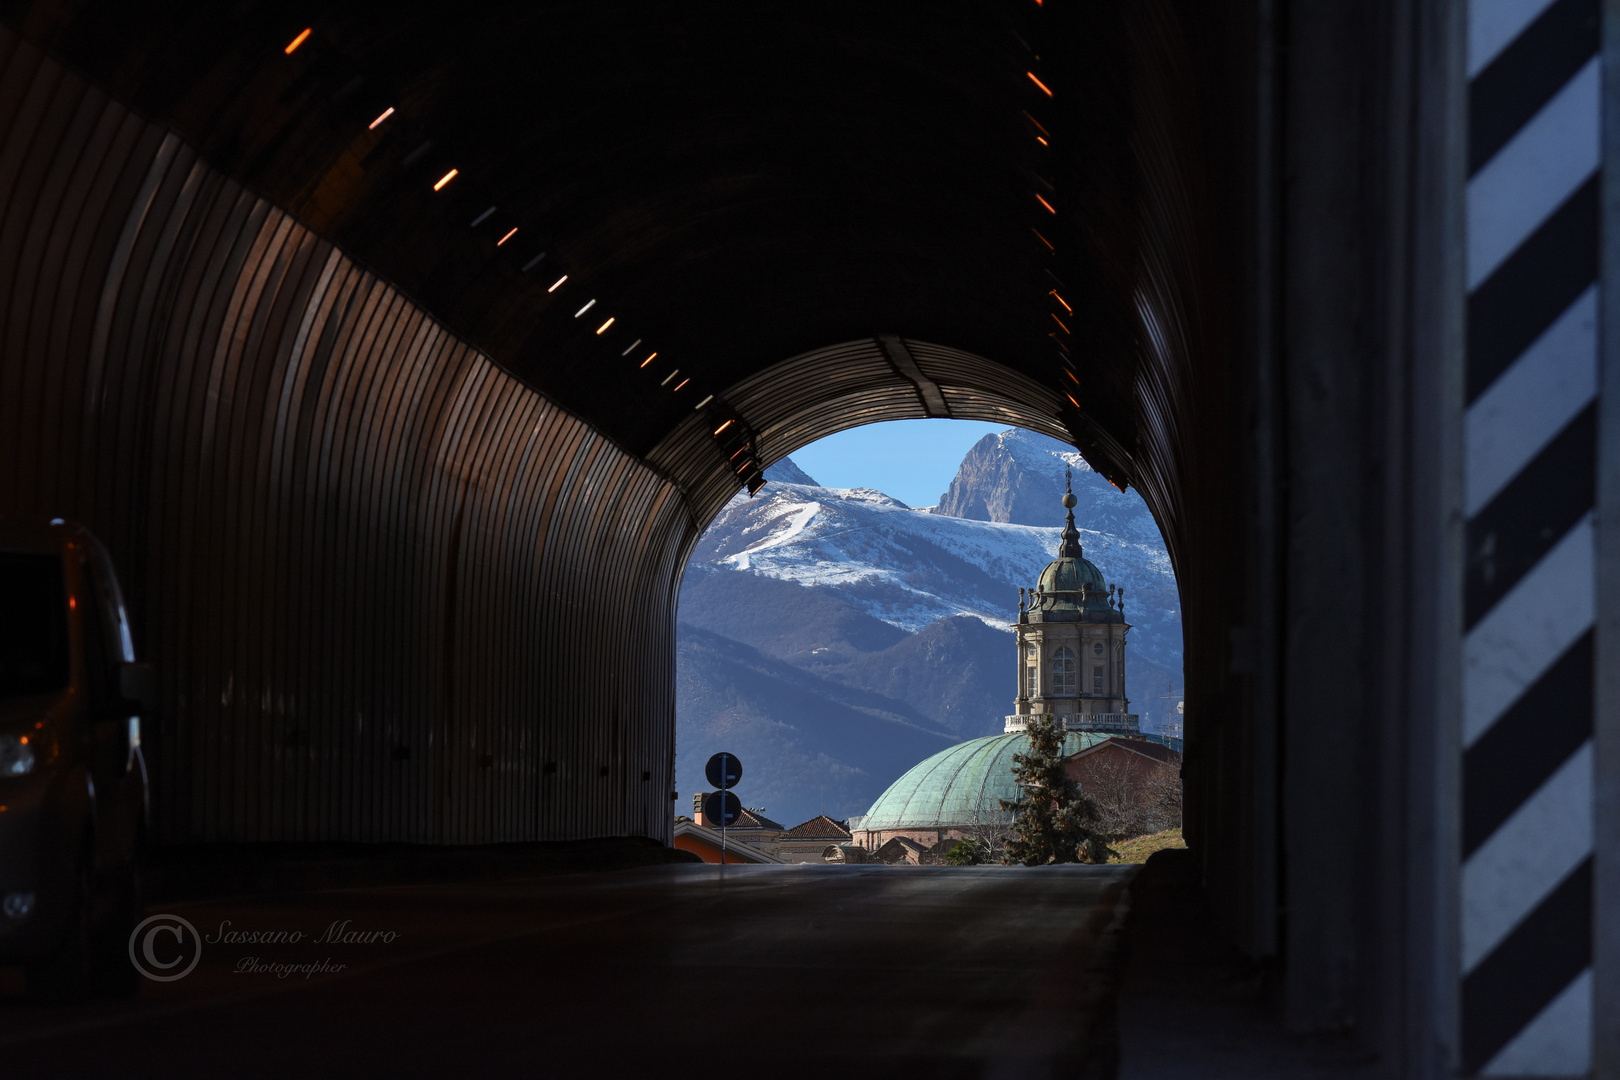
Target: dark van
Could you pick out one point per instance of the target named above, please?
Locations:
(73, 799)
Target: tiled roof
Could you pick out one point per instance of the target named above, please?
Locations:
(903, 842)
(1157, 751)
(750, 820)
(711, 839)
(820, 827)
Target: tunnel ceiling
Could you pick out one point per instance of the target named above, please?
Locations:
(733, 185)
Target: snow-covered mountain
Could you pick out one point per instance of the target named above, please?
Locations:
(911, 605)
(911, 568)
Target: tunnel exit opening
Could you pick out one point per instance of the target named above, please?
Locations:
(798, 601)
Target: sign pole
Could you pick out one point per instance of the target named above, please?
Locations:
(721, 770)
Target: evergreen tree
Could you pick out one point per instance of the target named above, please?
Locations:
(1053, 819)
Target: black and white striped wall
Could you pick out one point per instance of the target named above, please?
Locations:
(1530, 480)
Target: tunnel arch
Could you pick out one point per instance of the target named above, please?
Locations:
(792, 403)
(380, 565)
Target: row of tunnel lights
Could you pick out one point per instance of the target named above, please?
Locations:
(444, 181)
(745, 450)
(1043, 137)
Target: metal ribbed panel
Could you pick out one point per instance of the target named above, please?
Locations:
(818, 393)
(978, 390)
(392, 593)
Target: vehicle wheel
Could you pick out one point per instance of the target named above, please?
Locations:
(63, 977)
(112, 974)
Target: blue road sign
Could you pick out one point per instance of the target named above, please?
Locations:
(724, 770)
(721, 808)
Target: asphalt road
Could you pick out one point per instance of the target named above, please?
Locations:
(770, 971)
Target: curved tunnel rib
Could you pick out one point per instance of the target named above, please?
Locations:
(386, 573)
(384, 581)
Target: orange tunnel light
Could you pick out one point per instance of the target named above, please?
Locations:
(600, 330)
(386, 113)
(723, 426)
(1065, 303)
(297, 41)
(1044, 202)
(1038, 83)
(445, 179)
(649, 359)
(507, 237)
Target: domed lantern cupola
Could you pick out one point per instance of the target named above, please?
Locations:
(1071, 641)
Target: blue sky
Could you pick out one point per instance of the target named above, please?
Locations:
(912, 460)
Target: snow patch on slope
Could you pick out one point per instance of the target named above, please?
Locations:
(910, 568)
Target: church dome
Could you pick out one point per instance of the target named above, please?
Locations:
(1067, 575)
(1060, 585)
(961, 785)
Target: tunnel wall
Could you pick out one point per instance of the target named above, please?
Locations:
(392, 594)
(1201, 457)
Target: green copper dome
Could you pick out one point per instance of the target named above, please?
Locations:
(1067, 575)
(1060, 592)
(961, 785)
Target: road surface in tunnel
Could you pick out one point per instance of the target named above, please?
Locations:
(674, 970)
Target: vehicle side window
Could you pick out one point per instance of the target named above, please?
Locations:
(34, 643)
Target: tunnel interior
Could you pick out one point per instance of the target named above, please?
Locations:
(401, 363)
(750, 232)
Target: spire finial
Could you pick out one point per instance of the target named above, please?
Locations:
(1069, 545)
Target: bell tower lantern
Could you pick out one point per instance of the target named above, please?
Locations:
(1071, 642)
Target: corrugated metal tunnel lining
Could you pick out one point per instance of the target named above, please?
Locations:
(385, 583)
(387, 580)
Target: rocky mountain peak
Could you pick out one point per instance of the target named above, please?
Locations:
(1016, 477)
(786, 472)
